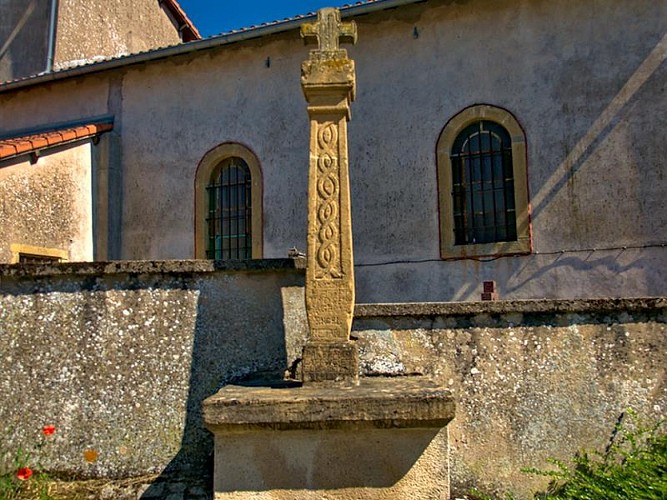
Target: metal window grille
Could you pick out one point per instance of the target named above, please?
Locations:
(230, 212)
(483, 185)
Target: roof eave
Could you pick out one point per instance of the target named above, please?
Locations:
(199, 45)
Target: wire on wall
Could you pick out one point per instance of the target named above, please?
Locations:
(496, 257)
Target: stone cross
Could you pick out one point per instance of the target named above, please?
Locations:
(328, 81)
(328, 30)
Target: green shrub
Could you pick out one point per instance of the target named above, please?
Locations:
(632, 467)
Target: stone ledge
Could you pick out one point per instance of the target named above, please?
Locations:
(422, 309)
(148, 267)
(376, 403)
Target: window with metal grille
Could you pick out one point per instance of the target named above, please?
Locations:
(483, 185)
(229, 211)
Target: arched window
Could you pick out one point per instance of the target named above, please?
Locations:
(228, 201)
(230, 211)
(483, 186)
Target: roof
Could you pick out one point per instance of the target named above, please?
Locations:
(186, 27)
(234, 36)
(10, 148)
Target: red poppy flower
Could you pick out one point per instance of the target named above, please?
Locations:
(47, 430)
(24, 473)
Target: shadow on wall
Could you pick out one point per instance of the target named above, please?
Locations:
(238, 335)
(119, 357)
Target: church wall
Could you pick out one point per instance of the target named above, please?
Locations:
(552, 64)
(90, 30)
(169, 124)
(43, 106)
(46, 206)
(595, 171)
(594, 178)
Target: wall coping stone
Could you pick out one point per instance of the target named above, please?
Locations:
(148, 267)
(581, 306)
(375, 403)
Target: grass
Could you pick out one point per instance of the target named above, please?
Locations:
(44, 487)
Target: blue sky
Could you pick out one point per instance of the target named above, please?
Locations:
(212, 17)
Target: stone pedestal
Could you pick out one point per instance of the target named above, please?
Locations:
(383, 438)
(335, 437)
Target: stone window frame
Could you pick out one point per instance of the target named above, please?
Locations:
(18, 249)
(523, 243)
(206, 168)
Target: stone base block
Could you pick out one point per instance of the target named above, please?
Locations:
(361, 464)
(330, 362)
(381, 439)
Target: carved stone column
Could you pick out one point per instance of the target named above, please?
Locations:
(328, 82)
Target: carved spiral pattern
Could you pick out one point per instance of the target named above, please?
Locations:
(328, 191)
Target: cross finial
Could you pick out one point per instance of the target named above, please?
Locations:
(328, 31)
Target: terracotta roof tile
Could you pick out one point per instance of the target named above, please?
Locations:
(27, 144)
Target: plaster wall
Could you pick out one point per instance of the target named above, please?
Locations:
(48, 204)
(532, 380)
(119, 357)
(90, 30)
(42, 107)
(595, 174)
(554, 65)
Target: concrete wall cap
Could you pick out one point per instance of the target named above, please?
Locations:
(374, 403)
(421, 309)
(148, 267)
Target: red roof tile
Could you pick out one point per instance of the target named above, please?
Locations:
(29, 143)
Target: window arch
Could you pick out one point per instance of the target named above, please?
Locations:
(228, 204)
(483, 186)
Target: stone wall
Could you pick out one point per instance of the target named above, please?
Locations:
(119, 356)
(531, 379)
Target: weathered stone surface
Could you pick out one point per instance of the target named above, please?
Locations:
(359, 464)
(509, 307)
(532, 379)
(328, 83)
(373, 403)
(382, 438)
(119, 356)
(324, 361)
(30, 271)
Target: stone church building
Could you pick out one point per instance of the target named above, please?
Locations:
(498, 149)
(514, 141)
